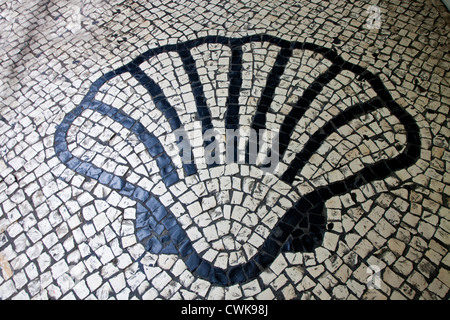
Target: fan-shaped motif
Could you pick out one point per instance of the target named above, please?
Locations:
(122, 136)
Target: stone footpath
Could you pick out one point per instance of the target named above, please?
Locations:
(98, 202)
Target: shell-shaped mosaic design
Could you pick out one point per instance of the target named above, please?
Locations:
(337, 126)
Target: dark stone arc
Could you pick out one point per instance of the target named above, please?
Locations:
(85, 168)
(155, 226)
(300, 229)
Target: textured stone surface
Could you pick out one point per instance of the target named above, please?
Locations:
(68, 231)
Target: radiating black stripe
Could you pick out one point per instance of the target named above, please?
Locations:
(158, 97)
(267, 95)
(204, 115)
(163, 105)
(303, 103)
(316, 140)
(235, 78)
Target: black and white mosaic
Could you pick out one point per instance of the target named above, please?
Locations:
(299, 229)
(347, 199)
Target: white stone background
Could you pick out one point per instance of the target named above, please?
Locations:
(51, 51)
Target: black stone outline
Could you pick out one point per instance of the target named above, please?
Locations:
(303, 226)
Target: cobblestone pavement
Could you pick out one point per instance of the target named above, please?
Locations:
(104, 102)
